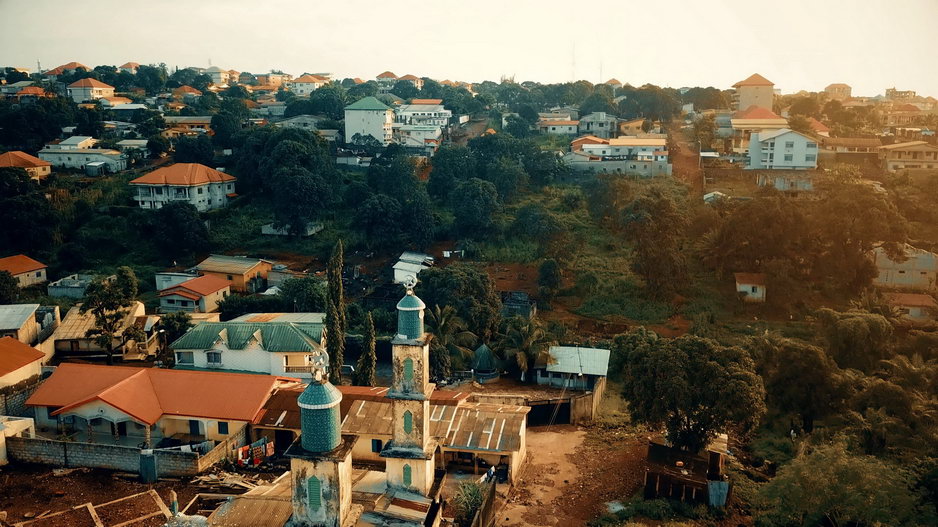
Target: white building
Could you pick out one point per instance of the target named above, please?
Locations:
(750, 287)
(419, 138)
(913, 306)
(218, 75)
(306, 122)
(630, 147)
(599, 124)
(197, 295)
(369, 116)
(918, 272)
(89, 90)
(199, 185)
(782, 149)
(425, 112)
(557, 127)
(80, 158)
(306, 84)
(74, 142)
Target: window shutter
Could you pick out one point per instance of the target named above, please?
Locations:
(408, 370)
(408, 477)
(408, 422)
(314, 493)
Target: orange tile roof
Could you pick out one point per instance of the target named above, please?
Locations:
(426, 101)
(756, 112)
(129, 65)
(89, 83)
(122, 100)
(448, 82)
(183, 174)
(911, 300)
(19, 264)
(310, 79)
(410, 77)
(185, 88)
(387, 75)
(67, 67)
(203, 285)
(31, 90)
(754, 80)
(818, 126)
(356, 80)
(14, 355)
(147, 394)
(613, 81)
(20, 159)
(750, 278)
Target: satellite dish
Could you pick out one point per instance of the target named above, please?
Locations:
(409, 282)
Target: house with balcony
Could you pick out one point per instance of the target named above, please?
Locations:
(200, 186)
(911, 155)
(782, 150)
(294, 349)
(853, 150)
(89, 89)
(419, 139)
(35, 168)
(428, 112)
(752, 120)
(386, 81)
(197, 295)
(599, 124)
(304, 85)
(369, 117)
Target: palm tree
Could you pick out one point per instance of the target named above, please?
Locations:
(872, 300)
(527, 341)
(912, 373)
(450, 333)
(873, 428)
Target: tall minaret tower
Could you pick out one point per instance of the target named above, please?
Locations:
(321, 460)
(410, 453)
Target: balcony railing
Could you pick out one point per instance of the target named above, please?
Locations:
(298, 369)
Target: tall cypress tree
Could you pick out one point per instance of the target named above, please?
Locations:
(335, 315)
(365, 369)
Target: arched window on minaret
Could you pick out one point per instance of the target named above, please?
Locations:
(314, 493)
(408, 422)
(409, 372)
(408, 477)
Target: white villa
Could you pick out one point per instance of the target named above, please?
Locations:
(203, 187)
(782, 149)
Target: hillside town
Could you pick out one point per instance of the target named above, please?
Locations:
(271, 298)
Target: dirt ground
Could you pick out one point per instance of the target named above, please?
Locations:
(571, 473)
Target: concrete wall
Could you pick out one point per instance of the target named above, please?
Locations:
(13, 401)
(70, 454)
(421, 474)
(21, 374)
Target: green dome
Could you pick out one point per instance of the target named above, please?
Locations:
(410, 316)
(320, 424)
(411, 302)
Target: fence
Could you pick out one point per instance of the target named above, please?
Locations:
(485, 516)
(13, 398)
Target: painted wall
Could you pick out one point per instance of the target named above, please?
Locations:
(21, 374)
(789, 151)
(31, 278)
(335, 491)
(754, 293)
(376, 123)
(919, 272)
(421, 474)
(761, 96)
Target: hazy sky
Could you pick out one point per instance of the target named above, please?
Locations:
(798, 44)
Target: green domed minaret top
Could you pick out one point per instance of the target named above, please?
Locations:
(320, 423)
(410, 316)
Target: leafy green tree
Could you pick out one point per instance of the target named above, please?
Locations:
(549, 277)
(236, 92)
(517, 127)
(379, 217)
(9, 288)
(335, 314)
(451, 165)
(365, 368)
(598, 102)
(528, 113)
(360, 91)
(301, 196)
(694, 388)
(157, 145)
(225, 125)
(830, 486)
(705, 131)
(535, 222)
(179, 231)
(799, 123)
(236, 305)
(805, 381)
(153, 79)
(172, 327)
(419, 222)
(805, 106)
(525, 344)
(90, 122)
(195, 150)
(655, 226)
(856, 339)
(404, 90)
(451, 336)
(469, 290)
(509, 178)
(475, 209)
(329, 101)
(108, 301)
(304, 295)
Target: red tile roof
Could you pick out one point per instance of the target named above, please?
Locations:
(67, 67)
(911, 300)
(185, 88)
(818, 126)
(310, 79)
(183, 174)
(356, 80)
(89, 83)
(754, 80)
(31, 90)
(14, 355)
(20, 159)
(387, 75)
(750, 278)
(147, 394)
(756, 112)
(19, 264)
(203, 285)
(426, 101)
(410, 77)
(129, 65)
(613, 81)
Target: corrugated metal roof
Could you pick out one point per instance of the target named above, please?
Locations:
(574, 359)
(311, 318)
(75, 325)
(14, 316)
(219, 263)
(271, 336)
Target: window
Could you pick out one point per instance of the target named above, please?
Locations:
(408, 370)
(171, 301)
(185, 303)
(789, 144)
(223, 428)
(376, 445)
(314, 493)
(39, 274)
(812, 145)
(788, 157)
(159, 191)
(184, 357)
(408, 422)
(200, 190)
(230, 278)
(810, 157)
(754, 289)
(407, 476)
(213, 357)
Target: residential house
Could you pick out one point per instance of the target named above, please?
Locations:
(614, 83)
(753, 120)
(129, 67)
(419, 139)
(202, 187)
(306, 122)
(138, 145)
(306, 84)
(903, 115)
(791, 182)
(409, 265)
(89, 89)
(756, 91)
(386, 81)
(628, 155)
(84, 158)
(892, 94)
(818, 128)
(427, 112)
(691, 477)
(24, 269)
(18, 362)
(31, 94)
(629, 147)
(599, 124)
(577, 144)
(193, 123)
(559, 127)
(72, 286)
(167, 279)
(19, 322)
(574, 368)
(854, 150)
(246, 275)
(913, 306)
(71, 338)
(10, 90)
(369, 116)
(219, 76)
(65, 68)
(75, 142)
(186, 93)
(276, 348)
(36, 168)
(782, 150)
(130, 406)
(917, 272)
(273, 80)
(838, 91)
(908, 156)
(416, 81)
(750, 287)
(200, 295)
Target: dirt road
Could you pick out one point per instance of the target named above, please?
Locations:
(685, 159)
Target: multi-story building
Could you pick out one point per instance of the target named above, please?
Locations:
(306, 84)
(752, 120)
(910, 155)
(424, 112)
(369, 116)
(201, 186)
(101, 159)
(197, 295)
(421, 139)
(35, 168)
(782, 149)
(754, 91)
(413, 79)
(218, 75)
(838, 91)
(89, 90)
(129, 67)
(917, 271)
(386, 81)
(599, 124)
(893, 94)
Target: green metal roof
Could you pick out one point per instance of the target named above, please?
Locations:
(484, 359)
(273, 336)
(367, 103)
